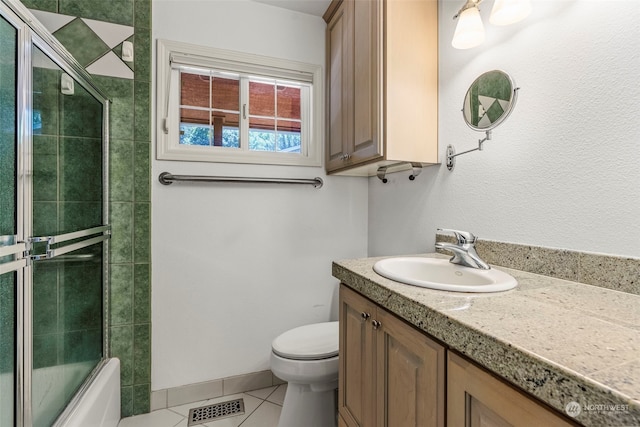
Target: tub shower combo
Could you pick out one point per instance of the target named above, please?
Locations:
(54, 236)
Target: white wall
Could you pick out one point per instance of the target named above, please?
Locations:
(236, 265)
(564, 170)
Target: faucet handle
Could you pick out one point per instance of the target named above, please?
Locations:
(463, 237)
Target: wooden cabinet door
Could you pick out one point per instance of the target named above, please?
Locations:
(410, 375)
(339, 110)
(367, 53)
(353, 103)
(478, 399)
(356, 383)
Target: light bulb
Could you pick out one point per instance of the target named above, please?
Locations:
(469, 31)
(507, 12)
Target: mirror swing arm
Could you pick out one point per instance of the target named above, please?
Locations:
(488, 102)
(451, 152)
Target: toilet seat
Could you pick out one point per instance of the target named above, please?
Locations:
(310, 342)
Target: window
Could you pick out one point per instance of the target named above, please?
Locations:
(221, 106)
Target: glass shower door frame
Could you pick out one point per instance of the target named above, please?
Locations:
(23, 186)
(32, 33)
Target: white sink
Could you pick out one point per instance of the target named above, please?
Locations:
(434, 273)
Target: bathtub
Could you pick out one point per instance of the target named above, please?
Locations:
(99, 405)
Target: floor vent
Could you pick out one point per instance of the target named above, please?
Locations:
(216, 411)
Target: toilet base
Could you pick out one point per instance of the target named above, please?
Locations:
(304, 407)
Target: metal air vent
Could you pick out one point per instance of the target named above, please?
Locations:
(216, 411)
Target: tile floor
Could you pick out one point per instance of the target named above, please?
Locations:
(261, 409)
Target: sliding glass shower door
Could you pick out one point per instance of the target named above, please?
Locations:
(67, 249)
(9, 246)
(53, 232)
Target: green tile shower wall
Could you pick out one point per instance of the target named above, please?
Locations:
(91, 48)
(129, 195)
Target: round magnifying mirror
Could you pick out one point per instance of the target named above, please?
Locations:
(489, 100)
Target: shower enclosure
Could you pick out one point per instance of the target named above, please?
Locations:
(53, 232)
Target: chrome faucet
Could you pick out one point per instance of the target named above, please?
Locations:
(464, 251)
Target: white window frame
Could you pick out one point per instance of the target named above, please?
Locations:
(172, 56)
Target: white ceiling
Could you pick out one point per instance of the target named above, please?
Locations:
(312, 7)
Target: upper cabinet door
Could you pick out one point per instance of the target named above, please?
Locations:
(353, 49)
(339, 114)
(366, 89)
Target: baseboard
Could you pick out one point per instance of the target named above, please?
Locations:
(168, 397)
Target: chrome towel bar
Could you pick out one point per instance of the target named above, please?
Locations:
(167, 178)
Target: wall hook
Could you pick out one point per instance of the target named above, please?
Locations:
(416, 168)
(382, 171)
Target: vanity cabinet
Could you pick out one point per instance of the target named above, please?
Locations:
(394, 375)
(382, 84)
(476, 398)
(391, 375)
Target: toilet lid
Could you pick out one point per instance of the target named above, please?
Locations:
(309, 342)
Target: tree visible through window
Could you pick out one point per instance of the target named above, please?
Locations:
(211, 111)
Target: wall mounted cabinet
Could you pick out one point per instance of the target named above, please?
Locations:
(392, 374)
(382, 84)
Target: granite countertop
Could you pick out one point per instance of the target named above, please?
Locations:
(560, 341)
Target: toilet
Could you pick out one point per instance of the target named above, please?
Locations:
(307, 358)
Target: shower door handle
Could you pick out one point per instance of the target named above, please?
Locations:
(52, 253)
(103, 233)
(18, 250)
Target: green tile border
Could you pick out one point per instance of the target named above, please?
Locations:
(121, 346)
(46, 5)
(142, 110)
(142, 354)
(126, 401)
(142, 293)
(121, 170)
(121, 95)
(142, 14)
(142, 233)
(142, 54)
(142, 172)
(141, 398)
(114, 11)
(121, 294)
(121, 219)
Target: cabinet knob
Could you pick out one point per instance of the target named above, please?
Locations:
(345, 156)
(365, 316)
(376, 324)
